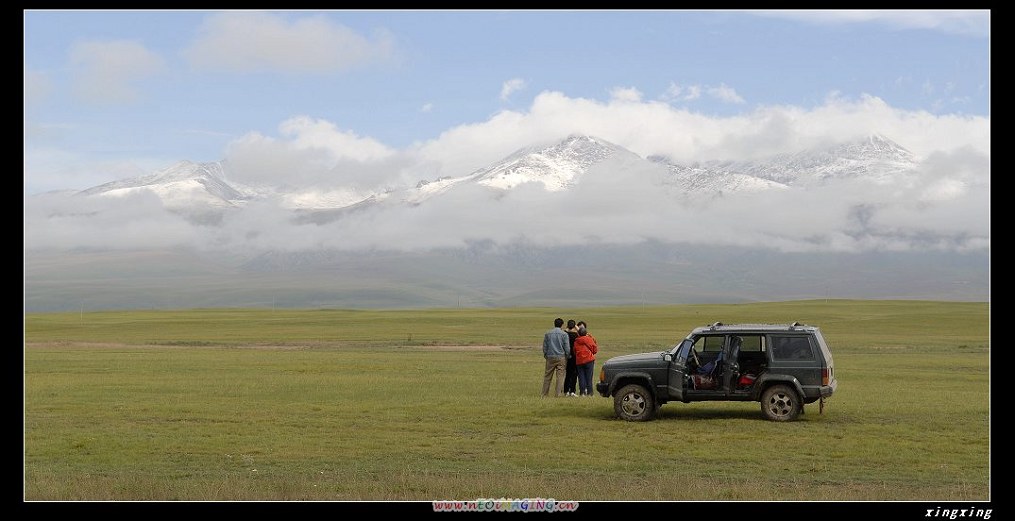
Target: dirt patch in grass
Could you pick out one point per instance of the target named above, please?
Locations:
(470, 348)
(167, 345)
(286, 347)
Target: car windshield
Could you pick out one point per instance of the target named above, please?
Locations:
(680, 350)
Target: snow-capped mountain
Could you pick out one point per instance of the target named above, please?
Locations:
(697, 179)
(875, 158)
(557, 166)
(188, 186)
(182, 185)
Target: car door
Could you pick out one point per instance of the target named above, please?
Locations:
(699, 381)
(676, 379)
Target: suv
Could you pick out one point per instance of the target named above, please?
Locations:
(781, 366)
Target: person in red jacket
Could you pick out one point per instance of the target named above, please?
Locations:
(585, 350)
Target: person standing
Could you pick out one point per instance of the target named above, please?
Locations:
(585, 349)
(571, 373)
(555, 350)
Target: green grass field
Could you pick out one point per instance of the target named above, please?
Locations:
(374, 405)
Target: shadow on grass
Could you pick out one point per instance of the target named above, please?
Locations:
(676, 413)
(602, 409)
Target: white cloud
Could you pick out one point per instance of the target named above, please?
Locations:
(427, 107)
(37, 86)
(653, 127)
(676, 92)
(722, 92)
(630, 94)
(510, 87)
(309, 152)
(943, 190)
(725, 93)
(309, 133)
(105, 72)
(964, 22)
(264, 42)
(135, 221)
(673, 91)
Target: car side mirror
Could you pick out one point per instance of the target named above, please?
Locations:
(668, 357)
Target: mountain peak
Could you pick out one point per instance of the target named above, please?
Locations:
(585, 140)
(557, 166)
(188, 170)
(182, 181)
(888, 147)
(875, 148)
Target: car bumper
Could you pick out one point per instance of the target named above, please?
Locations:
(603, 388)
(828, 390)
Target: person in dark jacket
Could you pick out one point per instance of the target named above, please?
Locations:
(585, 349)
(571, 372)
(555, 350)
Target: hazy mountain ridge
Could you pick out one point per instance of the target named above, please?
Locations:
(648, 273)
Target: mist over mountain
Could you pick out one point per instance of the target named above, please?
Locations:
(863, 219)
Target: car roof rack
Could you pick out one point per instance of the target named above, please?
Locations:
(719, 326)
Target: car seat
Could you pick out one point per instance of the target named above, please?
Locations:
(732, 373)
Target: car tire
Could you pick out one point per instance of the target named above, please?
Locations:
(780, 403)
(634, 403)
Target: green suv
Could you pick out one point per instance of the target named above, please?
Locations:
(781, 366)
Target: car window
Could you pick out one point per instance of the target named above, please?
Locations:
(709, 343)
(791, 348)
(683, 349)
(753, 343)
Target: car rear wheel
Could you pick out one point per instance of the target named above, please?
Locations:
(634, 403)
(780, 403)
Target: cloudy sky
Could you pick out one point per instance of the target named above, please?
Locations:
(417, 94)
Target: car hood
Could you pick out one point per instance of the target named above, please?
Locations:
(640, 359)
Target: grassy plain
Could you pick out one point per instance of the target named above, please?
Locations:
(260, 404)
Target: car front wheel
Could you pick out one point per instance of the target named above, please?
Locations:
(780, 403)
(634, 403)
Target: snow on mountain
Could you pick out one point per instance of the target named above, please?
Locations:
(874, 158)
(697, 179)
(427, 189)
(556, 166)
(181, 186)
(311, 200)
(188, 186)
